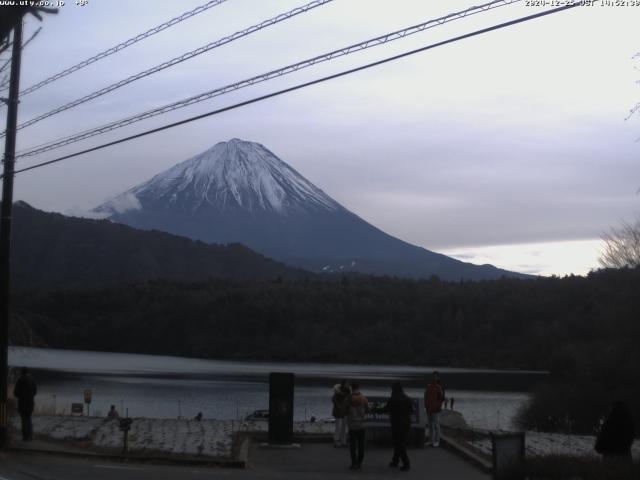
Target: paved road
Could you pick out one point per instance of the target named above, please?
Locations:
(312, 461)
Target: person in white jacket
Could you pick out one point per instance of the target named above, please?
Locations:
(340, 392)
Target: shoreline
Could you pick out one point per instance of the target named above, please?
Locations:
(65, 364)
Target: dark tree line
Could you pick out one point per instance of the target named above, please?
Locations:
(54, 251)
(585, 330)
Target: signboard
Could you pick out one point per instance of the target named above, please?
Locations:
(87, 396)
(382, 419)
(125, 424)
(77, 408)
(281, 408)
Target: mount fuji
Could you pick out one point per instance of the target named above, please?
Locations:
(239, 191)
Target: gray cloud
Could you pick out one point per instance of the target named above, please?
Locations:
(463, 256)
(533, 270)
(503, 139)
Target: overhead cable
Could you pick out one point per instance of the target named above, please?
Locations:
(123, 45)
(302, 85)
(373, 42)
(177, 60)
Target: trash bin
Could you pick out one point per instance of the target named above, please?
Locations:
(508, 455)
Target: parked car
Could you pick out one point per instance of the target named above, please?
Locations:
(258, 415)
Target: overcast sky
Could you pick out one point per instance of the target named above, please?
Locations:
(510, 148)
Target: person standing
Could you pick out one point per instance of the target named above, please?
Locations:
(433, 398)
(340, 393)
(113, 413)
(356, 408)
(399, 408)
(24, 391)
(617, 433)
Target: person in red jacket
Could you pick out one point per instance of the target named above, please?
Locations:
(433, 398)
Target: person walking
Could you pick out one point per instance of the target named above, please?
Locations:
(433, 398)
(340, 392)
(24, 391)
(617, 433)
(356, 407)
(399, 408)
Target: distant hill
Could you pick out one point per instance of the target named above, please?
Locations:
(50, 250)
(239, 191)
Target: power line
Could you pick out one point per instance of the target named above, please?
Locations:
(123, 45)
(24, 45)
(174, 61)
(304, 85)
(5, 65)
(373, 42)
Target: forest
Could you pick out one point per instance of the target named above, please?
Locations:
(584, 330)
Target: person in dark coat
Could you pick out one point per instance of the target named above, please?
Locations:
(24, 391)
(617, 433)
(399, 408)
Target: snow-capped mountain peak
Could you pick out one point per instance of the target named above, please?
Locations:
(233, 175)
(239, 191)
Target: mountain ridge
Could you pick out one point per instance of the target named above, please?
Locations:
(239, 191)
(51, 250)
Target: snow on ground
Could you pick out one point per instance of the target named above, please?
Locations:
(305, 428)
(208, 438)
(540, 444)
(211, 438)
(214, 438)
(62, 428)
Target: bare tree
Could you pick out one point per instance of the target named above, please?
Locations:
(622, 246)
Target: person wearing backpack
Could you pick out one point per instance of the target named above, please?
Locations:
(433, 398)
(356, 408)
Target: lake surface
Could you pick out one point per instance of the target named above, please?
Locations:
(169, 387)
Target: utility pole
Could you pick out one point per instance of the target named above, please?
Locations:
(5, 226)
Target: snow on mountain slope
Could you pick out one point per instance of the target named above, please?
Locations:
(239, 191)
(230, 175)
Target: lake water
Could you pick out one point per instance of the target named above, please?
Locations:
(169, 387)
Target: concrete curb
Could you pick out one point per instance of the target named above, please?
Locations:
(240, 452)
(462, 451)
(297, 437)
(136, 458)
